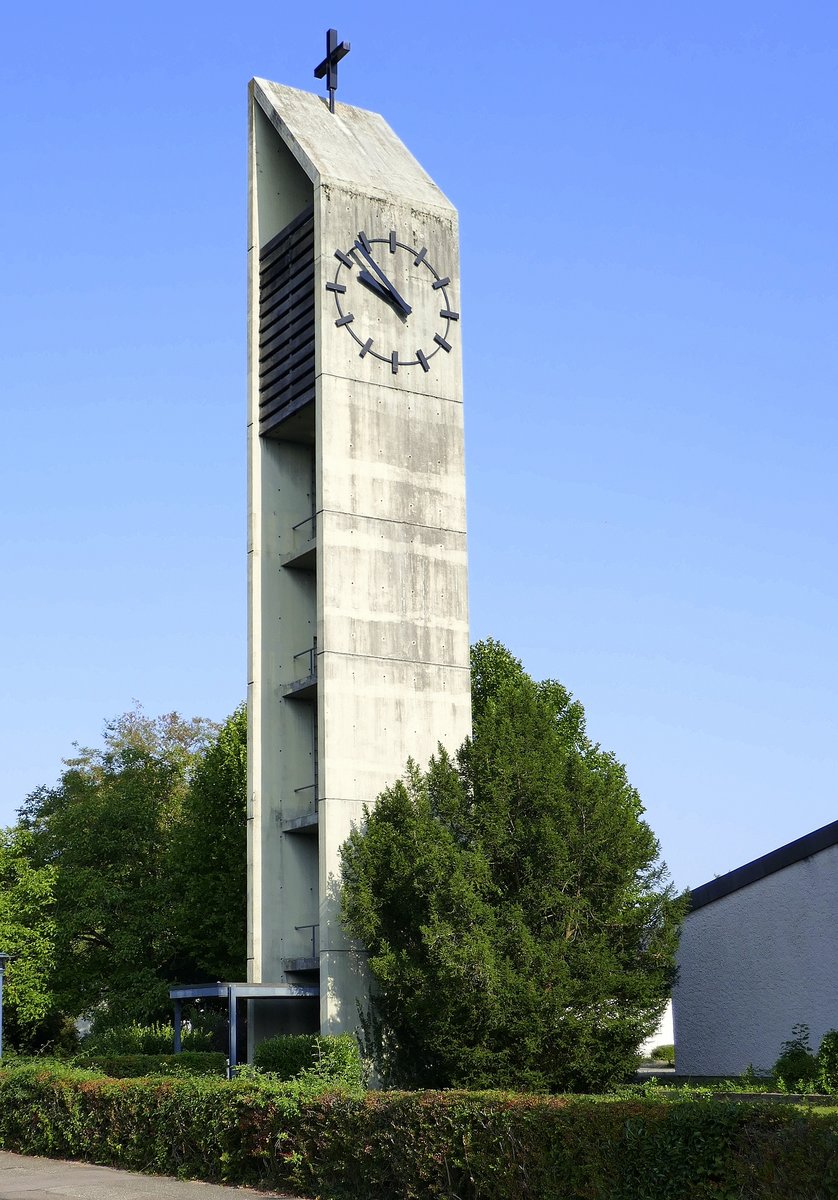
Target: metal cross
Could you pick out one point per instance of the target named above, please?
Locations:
(334, 53)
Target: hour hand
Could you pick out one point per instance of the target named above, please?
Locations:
(374, 285)
(361, 246)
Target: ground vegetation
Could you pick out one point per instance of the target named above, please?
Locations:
(297, 1137)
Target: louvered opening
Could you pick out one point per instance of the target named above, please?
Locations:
(286, 322)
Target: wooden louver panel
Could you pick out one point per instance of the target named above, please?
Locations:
(286, 322)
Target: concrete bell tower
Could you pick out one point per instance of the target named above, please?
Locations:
(358, 612)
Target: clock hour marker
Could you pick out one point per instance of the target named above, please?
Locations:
(366, 346)
(344, 258)
(392, 241)
(426, 366)
(364, 240)
(440, 341)
(420, 257)
(394, 362)
(347, 320)
(446, 312)
(335, 287)
(441, 282)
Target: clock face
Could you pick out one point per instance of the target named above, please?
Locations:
(393, 302)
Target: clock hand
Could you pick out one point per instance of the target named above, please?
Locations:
(362, 250)
(374, 286)
(381, 291)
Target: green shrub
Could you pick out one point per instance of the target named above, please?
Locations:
(132, 1066)
(828, 1062)
(328, 1058)
(424, 1145)
(796, 1070)
(157, 1038)
(285, 1056)
(664, 1054)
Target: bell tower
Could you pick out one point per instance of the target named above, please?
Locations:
(358, 607)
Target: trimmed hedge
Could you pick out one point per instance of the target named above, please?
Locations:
(664, 1053)
(426, 1145)
(132, 1066)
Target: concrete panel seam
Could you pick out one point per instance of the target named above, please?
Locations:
(416, 662)
(343, 512)
(340, 800)
(383, 383)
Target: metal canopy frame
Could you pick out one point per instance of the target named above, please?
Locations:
(232, 993)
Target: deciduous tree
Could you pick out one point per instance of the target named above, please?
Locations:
(106, 830)
(209, 858)
(27, 933)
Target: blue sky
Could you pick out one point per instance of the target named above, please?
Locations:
(648, 198)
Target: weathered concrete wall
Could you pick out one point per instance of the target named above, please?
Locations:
(753, 964)
(388, 601)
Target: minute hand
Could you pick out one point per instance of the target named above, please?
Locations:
(402, 303)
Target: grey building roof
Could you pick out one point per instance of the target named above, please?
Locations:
(769, 864)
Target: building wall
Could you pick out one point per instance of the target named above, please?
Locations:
(755, 963)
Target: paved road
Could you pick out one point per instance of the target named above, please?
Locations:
(25, 1178)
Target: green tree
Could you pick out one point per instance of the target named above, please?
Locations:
(209, 859)
(106, 829)
(519, 924)
(27, 932)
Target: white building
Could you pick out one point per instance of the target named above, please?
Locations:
(759, 954)
(664, 1035)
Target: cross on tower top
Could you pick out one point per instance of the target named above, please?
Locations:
(329, 66)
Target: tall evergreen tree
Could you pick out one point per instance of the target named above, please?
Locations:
(519, 924)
